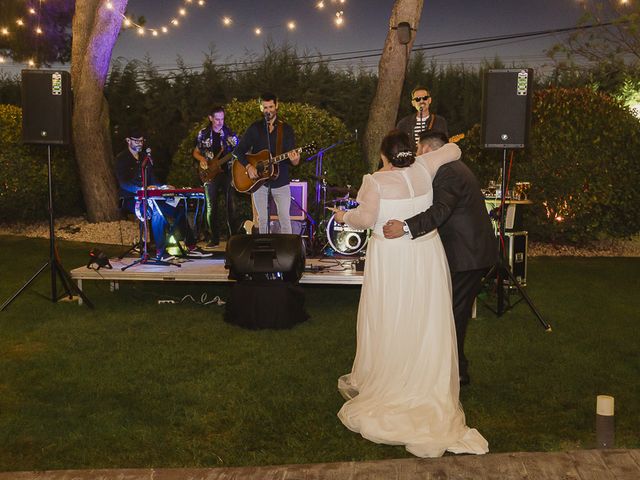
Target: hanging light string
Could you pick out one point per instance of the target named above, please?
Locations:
(142, 30)
(182, 12)
(335, 6)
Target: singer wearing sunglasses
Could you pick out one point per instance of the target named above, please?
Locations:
(423, 120)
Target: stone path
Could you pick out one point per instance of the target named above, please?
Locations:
(576, 465)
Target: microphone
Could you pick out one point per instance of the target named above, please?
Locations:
(147, 156)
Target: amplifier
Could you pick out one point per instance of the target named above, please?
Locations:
(516, 245)
(298, 202)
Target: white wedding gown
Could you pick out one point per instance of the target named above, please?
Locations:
(404, 388)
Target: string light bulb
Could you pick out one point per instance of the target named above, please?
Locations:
(31, 62)
(320, 5)
(127, 22)
(32, 11)
(38, 31)
(19, 22)
(258, 31)
(109, 6)
(227, 21)
(182, 12)
(5, 31)
(140, 31)
(291, 25)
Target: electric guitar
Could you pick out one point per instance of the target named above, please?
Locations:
(216, 162)
(266, 165)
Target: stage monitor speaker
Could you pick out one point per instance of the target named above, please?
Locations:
(506, 108)
(298, 202)
(46, 107)
(265, 256)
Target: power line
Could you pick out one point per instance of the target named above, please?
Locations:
(372, 53)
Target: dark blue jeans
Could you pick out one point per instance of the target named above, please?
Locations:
(220, 185)
(163, 217)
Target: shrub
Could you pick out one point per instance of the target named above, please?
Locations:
(342, 165)
(23, 177)
(582, 162)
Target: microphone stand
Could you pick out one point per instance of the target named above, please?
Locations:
(421, 124)
(312, 224)
(266, 125)
(145, 259)
(321, 189)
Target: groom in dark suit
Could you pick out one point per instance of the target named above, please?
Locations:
(460, 215)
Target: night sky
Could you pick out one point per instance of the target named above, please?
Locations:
(365, 27)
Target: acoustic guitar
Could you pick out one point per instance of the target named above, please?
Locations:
(216, 162)
(266, 165)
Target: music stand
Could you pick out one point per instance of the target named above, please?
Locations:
(144, 254)
(57, 270)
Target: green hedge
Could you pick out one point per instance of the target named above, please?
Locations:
(23, 175)
(343, 165)
(582, 162)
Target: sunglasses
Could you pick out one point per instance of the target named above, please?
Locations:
(418, 99)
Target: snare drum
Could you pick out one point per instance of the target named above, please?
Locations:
(344, 239)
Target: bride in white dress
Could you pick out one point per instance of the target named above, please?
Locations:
(403, 388)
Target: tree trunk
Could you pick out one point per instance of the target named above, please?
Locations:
(95, 31)
(391, 74)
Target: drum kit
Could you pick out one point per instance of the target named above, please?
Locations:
(339, 238)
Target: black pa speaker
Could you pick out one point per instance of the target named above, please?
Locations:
(46, 107)
(254, 256)
(506, 108)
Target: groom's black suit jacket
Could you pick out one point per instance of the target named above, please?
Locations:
(460, 215)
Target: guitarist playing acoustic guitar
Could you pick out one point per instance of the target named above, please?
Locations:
(276, 137)
(212, 153)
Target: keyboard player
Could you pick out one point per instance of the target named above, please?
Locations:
(163, 214)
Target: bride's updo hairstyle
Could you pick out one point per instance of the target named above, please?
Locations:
(396, 146)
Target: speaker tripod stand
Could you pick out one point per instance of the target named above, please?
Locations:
(57, 270)
(501, 271)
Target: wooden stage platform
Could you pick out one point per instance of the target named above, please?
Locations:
(318, 271)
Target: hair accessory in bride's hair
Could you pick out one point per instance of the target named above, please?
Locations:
(404, 154)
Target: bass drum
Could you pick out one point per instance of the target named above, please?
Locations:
(344, 239)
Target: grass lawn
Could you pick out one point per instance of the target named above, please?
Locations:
(137, 384)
